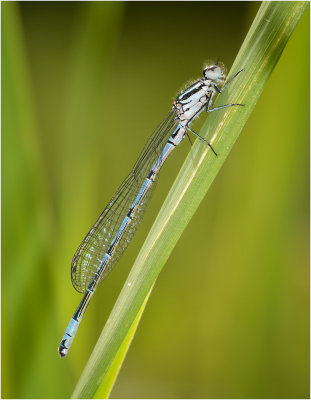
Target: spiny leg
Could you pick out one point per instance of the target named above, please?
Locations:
(189, 138)
(220, 107)
(230, 80)
(200, 137)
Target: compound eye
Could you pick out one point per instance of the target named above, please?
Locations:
(213, 72)
(211, 68)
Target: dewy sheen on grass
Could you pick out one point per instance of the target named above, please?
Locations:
(258, 55)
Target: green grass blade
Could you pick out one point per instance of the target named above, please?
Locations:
(112, 373)
(26, 214)
(259, 54)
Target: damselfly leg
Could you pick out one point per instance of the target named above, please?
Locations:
(208, 109)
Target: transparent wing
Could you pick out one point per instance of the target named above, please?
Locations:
(94, 246)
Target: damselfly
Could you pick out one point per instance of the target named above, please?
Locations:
(114, 229)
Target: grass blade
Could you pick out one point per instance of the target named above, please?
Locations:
(259, 54)
(113, 371)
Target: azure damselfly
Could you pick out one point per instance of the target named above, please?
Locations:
(114, 229)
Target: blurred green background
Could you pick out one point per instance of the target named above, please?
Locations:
(83, 86)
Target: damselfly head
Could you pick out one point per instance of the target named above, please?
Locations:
(214, 73)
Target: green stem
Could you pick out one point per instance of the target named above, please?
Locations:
(264, 44)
